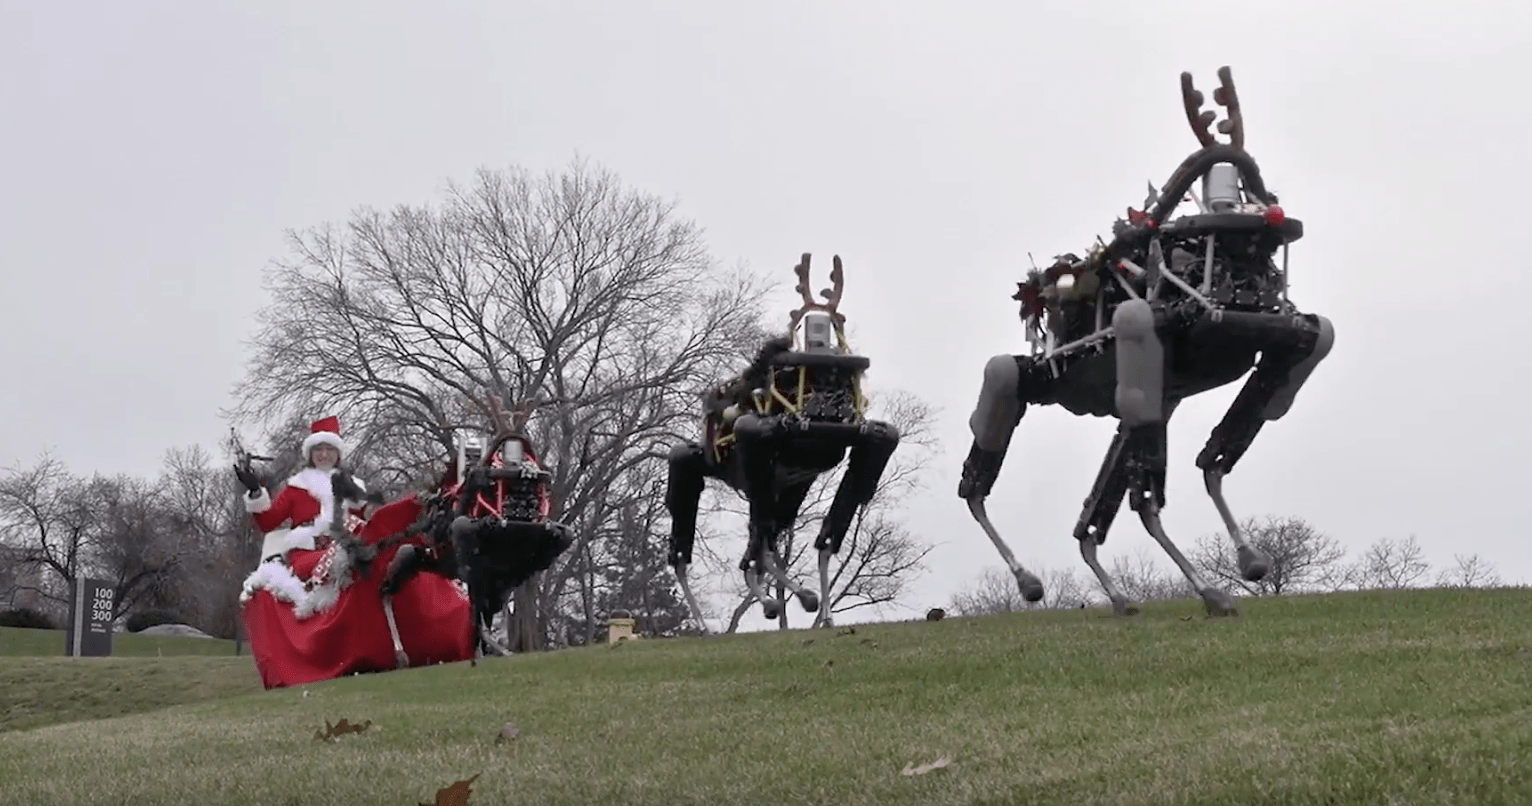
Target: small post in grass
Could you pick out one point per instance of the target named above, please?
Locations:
(619, 626)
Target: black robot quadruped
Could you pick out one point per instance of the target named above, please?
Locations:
(1168, 309)
(769, 432)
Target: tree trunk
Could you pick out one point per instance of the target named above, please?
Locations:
(523, 628)
(739, 613)
(588, 592)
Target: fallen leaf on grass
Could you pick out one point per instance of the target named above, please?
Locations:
(455, 795)
(507, 733)
(331, 732)
(910, 769)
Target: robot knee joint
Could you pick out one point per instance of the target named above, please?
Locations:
(1133, 319)
(685, 452)
(751, 427)
(884, 434)
(1001, 374)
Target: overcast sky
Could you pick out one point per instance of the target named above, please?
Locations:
(154, 152)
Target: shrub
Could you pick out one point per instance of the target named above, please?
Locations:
(27, 618)
(145, 619)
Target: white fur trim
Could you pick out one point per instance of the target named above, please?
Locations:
(276, 577)
(258, 504)
(331, 576)
(315, 482)
(281, 541)
(324, 438)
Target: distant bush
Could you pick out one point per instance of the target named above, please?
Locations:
(27, 618)
(145, 619)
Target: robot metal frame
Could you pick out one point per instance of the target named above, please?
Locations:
(769, 433)
(1170, 308)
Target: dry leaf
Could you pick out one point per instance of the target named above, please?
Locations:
(340, 728)
(507, 733)
(455, 795)
(925, 768)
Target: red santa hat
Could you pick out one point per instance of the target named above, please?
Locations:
(325, 432)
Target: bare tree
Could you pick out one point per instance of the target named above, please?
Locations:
(221, 545)
(1389, 565)
(1469, 571)
(879, 556)
(1302, 557)
(137, 546)
(995, 592)
(70, 528)
(1143, 579)
(591, 306)
(45, 519)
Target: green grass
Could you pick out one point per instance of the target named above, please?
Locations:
(15, 641)
(39, 686)
(1414, 698)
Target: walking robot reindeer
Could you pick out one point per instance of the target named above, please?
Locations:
(1167, 310)
(769, 433)
(488, 524)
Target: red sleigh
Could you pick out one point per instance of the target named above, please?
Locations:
(417, 584)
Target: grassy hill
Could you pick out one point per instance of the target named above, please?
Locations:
(1420, 697)
(39, 686)
(15, 642)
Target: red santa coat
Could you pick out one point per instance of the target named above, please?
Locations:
(299, 563)
(300, 513)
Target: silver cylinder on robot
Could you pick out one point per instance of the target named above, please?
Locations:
(511, 452)
(1220, 188)
(818, 332)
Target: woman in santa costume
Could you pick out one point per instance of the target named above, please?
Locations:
(300, 524)
(308, 613)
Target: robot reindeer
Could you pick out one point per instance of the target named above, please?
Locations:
(769, 433)
(1168, 309)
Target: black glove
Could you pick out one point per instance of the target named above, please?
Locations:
(251, 481)
(344, 486)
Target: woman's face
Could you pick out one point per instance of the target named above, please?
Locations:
(324, 457)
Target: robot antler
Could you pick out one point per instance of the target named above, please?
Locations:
(511, 420)
(497, 414)
(802, 270)
(1200, 119)
(832, 294)
(837, 283)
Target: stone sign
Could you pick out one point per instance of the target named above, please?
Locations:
(90, 619)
